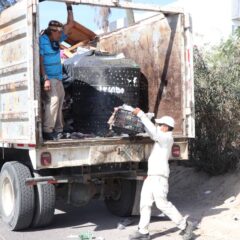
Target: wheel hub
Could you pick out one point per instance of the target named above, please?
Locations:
(7, 197)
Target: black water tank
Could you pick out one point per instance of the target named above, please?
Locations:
(100, 83)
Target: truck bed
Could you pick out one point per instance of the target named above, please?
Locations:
(140, 139)
(160, 45)
(98, 151)
(91, 151)
(96, 141)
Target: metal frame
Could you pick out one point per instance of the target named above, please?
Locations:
(189, 80)
(126, 5)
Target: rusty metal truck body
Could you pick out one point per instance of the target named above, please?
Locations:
(161, 45)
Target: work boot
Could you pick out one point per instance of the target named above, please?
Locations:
(49, 136)
(59, 135)
(139, 236)
(187, 233)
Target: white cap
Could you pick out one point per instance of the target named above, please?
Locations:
(166, 120)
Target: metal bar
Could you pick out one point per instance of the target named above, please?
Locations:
(13, 69)
(44, 180)
(126, 5)
(13, 86)
(130, 15)
(12, 36)
(13, 116)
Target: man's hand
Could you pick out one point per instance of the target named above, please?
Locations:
(136, 111)
(47, 85)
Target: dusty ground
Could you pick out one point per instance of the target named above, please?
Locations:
(213, 204)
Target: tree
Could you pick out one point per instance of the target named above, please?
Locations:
(217, 100)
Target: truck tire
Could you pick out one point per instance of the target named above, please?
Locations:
(44, 205)
(123, 204)
(16, 198)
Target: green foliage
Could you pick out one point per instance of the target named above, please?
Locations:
(217, 101)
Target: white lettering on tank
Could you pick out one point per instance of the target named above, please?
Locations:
(132, 81)
(109, 89)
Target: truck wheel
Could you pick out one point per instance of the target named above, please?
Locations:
(16, 198)
(44, 205)
(121, 201)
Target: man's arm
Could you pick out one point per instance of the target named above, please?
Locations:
(42, 70)
(47, 83)
(70, 20)
(149, 126)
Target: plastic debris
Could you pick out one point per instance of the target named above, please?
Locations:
(150, 115)
(208, 192)
(161, 215)
(86, 236)
(127, 107)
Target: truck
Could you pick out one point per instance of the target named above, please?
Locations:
(35, 172)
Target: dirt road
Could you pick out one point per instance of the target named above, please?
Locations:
(213, 204)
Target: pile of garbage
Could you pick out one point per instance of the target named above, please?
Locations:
(96, 83)
(123, 121)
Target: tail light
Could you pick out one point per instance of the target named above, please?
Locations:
(176, 151)
(46, 159)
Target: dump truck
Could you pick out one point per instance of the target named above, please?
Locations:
(35, 172)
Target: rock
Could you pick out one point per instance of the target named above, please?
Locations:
(207, 192)
(236, 217)
(100, 238)
(230, 200)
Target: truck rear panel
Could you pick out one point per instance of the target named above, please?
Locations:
(17, 74)
(96, 151)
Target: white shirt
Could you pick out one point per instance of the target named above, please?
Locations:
(158, 159)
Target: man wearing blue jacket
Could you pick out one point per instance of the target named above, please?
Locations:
(155, 186)
(51, 73)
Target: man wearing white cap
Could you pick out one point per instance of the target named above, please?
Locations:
(155, 186)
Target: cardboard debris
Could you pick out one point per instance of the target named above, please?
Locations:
(79, 36)
(79, 33)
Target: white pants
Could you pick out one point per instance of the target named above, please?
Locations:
(155, 189)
